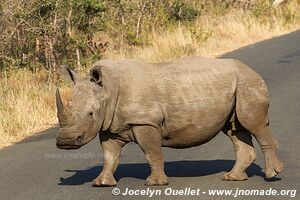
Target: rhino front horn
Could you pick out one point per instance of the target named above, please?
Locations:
(61, 112)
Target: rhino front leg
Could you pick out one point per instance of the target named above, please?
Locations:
(149, 139)
(111, 146)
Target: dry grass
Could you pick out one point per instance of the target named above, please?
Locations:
(210, 37)
(27, 99)
(26, 105)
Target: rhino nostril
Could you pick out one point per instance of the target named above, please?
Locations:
(79, 138)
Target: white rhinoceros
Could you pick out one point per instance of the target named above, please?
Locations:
(178, 104)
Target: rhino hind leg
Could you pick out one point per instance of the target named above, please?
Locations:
(269, 146)
(244, 152)
(252, 113)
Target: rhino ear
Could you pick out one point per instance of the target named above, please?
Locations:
(96, 75)
(68, 74)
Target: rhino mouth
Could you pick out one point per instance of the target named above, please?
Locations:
(69, 144)
(65, 146)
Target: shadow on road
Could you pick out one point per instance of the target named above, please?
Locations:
(173, 169)
(49, 133)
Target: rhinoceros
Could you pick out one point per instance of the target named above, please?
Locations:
(178, 104)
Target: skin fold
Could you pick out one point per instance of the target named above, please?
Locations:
(178, 104)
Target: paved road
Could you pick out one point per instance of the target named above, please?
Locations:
(33, 169)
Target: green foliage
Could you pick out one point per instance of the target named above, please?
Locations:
(48, 33)
(180, 11)
(220, 8)
(289, 16)
(200, 35)
(88, 15)
(45, 8)
(132, 39)
(262, 9)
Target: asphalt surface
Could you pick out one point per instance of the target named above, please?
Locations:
(36, 169)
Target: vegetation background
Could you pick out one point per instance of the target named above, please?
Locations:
(37, 36)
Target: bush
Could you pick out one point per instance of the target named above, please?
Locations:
(48, 33)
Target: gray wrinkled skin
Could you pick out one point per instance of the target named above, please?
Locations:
(178, 104)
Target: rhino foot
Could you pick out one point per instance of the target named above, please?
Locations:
(273, 168)
(235, 176)
(153, 180)
(102, 181)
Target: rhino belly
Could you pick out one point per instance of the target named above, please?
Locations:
(192, 127)
(191, 136)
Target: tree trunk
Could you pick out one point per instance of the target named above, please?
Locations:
(69, 31)
(78, 58)
(138, 26)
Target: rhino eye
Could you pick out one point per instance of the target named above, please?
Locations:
(91, 114)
